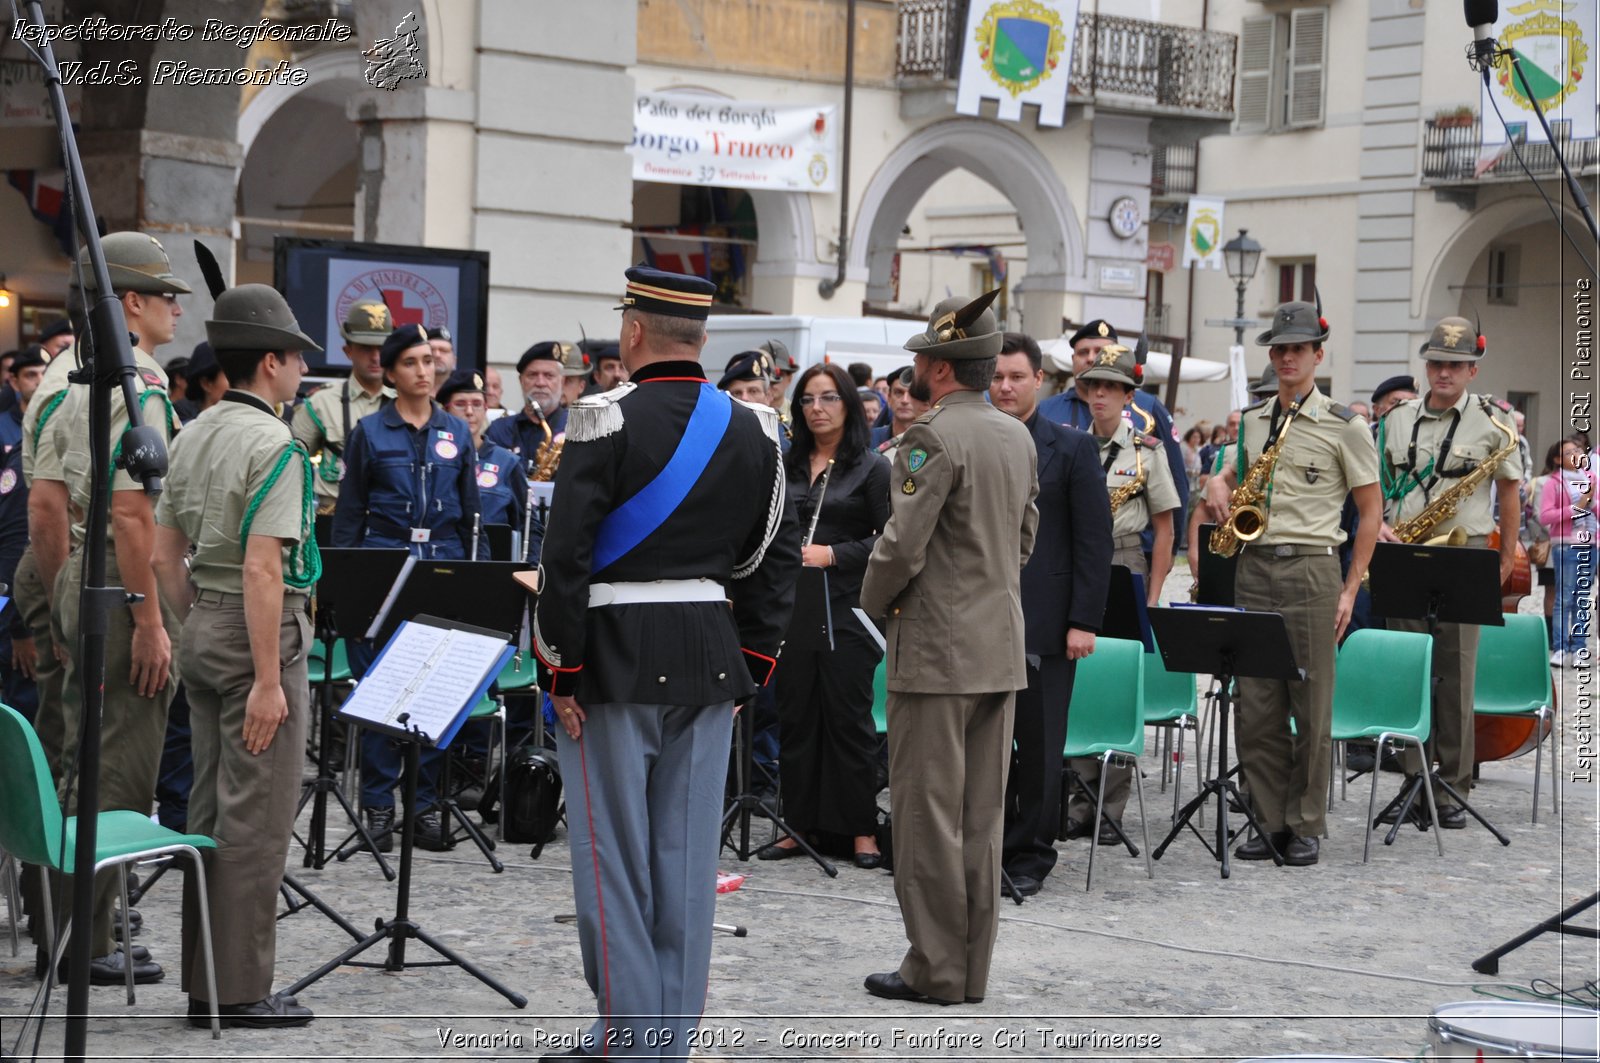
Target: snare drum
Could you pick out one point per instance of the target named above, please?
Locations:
(1320, 1059)
(1513, 1030)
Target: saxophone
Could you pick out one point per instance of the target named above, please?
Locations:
(548, 455)
(1120, 495)
(1247, 511)
(1419, 528)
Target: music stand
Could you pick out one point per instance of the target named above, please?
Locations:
(353, 585)
(461, 592)
(419, 679)
(1435, 584)
(1216, 572)
(1228, 644)
(502, 539)
(748, 802)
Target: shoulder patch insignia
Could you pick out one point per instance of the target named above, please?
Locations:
(151, 378)
(597, 416)
(1341, 411)
(917, 459)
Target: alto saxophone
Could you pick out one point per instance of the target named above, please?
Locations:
(1247, 508)
(1419, 528)
(1122, 494)
(548, 456)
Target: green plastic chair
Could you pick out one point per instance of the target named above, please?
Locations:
(1513, 679)
(880, 698)
(31, 830)
(341, 663)
(1380, 692)
(1170, 703)
(1105, 720)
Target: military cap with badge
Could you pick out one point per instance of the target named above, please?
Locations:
(136, 262)
(958, 330)
(367, 322)
(1454, 339)
(749, 365)
(544, 351)
(1296, 323)
(399, 341)
(462, 380)
(654, 291)
(1117, 363)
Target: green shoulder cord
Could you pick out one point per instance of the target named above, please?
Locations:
(1396, 486)
(44, 415)
(305, 560)
(144, 397)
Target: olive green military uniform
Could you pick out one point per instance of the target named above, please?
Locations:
(238, 472)
(946, 572)
(323, 422)
(1125, 456)
(133, 728)
(1478, 427)
(1293, 569)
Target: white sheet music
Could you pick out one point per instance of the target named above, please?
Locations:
(430, 674)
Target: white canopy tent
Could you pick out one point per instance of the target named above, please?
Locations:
(1157, 367)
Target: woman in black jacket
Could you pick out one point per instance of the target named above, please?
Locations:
(828, 742)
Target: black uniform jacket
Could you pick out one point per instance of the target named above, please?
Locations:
(676, 653)
(854, 510)
(1064, 582)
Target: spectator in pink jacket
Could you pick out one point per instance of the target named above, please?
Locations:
(1566, 508)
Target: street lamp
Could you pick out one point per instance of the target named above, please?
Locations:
(1240, 255)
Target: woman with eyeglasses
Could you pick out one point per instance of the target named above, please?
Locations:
(828, 744)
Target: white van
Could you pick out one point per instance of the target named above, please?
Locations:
(878, 341)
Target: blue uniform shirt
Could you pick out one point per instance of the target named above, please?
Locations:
(522, 435)
(1069, 408)
(408, 487)
(503, 494)
(13, 518)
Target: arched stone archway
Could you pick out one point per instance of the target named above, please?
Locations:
(1005, 159)
(1440, 293)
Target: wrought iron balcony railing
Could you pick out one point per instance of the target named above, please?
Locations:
(1453, 151)
(1169, 66)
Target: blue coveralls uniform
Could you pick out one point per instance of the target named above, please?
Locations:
(415, 489)
(658, 616)
(503, 492)
(17, 689)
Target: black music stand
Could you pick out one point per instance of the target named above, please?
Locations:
(461, 592)
(353, 585)
(1436, 584)
(401, 928)
(1216, 572)
(500, 538)
(1228, 644)
(747, 802)
(1489, 962)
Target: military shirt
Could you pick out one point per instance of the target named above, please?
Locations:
(64, 439)
(1327, 451)
(221, 462)
(1477, 427)
(43, 408)
(1122, 456)
(324, 421)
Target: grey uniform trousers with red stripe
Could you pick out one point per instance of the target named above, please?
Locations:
(644, 791)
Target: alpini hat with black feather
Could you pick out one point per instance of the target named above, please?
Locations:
(960, 330)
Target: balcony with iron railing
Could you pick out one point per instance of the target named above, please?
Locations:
(1453, 153)
(1149, 67)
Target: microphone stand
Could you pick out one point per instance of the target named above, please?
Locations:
(109, 364)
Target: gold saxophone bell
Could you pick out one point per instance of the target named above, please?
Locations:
(1248, 523)
(1456, 537)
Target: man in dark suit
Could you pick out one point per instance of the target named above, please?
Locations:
(1063, 603)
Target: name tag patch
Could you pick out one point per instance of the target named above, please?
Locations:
(488, 475)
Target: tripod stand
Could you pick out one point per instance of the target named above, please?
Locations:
(351, 590)
(1227, 644)
(746, 802)
(1434, 584)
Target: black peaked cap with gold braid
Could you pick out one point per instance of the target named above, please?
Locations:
(655, 291)
(959, 330)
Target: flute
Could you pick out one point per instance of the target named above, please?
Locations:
(816, 514)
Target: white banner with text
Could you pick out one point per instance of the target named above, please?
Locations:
(685, 139)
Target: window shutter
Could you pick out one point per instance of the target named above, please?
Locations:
(1308, 49)
(1255, 73)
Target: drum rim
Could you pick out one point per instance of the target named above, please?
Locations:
(1525, 1049)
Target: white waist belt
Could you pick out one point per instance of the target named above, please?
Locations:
(656, 591)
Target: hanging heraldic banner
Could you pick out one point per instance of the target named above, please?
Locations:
(1554, 41)
(1202, 235)
(684, 139)
(1017, 52)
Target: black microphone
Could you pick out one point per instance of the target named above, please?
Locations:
(1481, 16)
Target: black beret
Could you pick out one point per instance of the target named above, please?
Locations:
(59, 327)
(31, 355)
(441, 333)
(179, 364)
(1097, 329)
(545, 351)
(1394, 383)
(461, 380)
(598, 349)
(400, 340)
(655, 291)
(751, 365)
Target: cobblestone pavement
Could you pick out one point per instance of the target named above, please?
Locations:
(1339, 958)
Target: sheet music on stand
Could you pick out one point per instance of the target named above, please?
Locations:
(432, 672)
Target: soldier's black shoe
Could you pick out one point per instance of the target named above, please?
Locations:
(1020, 885)
(1108, 834)
(1075, 828)
(108, 969)
(275, 1011)
(1452, 817)
(1258, 849)
(890, 986)
(1301, 852)
(380, 825)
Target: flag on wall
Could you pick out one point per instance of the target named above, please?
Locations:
(1017, 52)
(1554, 43)
(45, 191)
(1202, 237)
